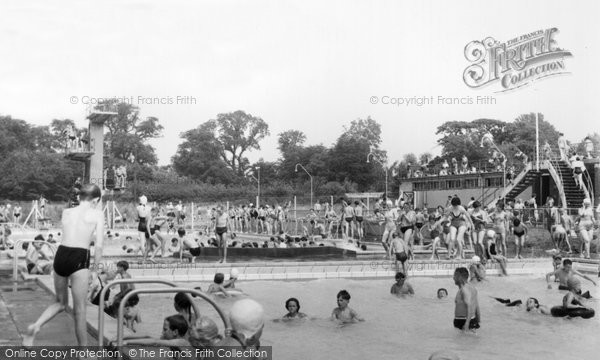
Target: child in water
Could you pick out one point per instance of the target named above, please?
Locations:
(217, 286)
(343, 312)
(293, 307)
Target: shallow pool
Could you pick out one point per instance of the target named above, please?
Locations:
(406, 328)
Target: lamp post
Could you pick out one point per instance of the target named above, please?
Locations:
(371, 155)
(131, 159)
(258, 181)
(311, 181)
(489, 138)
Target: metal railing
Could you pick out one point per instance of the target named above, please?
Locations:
(588, 186)
(557, 176)
(16, 248)
(168, 290)
(118, 282)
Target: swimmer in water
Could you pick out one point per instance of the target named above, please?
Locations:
(217, 285)
(442, 293)
(566, 273)
(466, 312)
(293, 307)
(401, 287)
(343, 312)
(531, 305)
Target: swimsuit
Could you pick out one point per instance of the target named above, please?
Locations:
(196, 251)
(419, 225)
(221, 230)
(473, 324)
(519, 233)
(68, 260)
(359, 218)
(142, 227)
(349, 219)
(401, 256)
(457, 220)
(404, 229)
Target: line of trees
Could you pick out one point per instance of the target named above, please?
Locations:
(211, 160)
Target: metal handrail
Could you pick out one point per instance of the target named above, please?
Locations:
(558, 180)
(169, 290)
(16, 247)
(588, 186)
(118, 282)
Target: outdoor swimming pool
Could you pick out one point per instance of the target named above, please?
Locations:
(405, 328)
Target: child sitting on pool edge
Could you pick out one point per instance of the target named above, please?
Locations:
(343, 312)
(293, 307)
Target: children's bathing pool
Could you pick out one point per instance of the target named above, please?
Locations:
(404, 328)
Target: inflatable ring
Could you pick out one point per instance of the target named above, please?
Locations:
(559, 311)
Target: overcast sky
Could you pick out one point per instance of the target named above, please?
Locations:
(306, 65)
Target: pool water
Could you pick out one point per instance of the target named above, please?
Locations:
(405, 328)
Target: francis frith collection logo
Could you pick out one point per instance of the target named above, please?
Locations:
(516, 62)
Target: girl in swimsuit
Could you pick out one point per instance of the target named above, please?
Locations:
(143, 212)
(479, 218)
(499, 217)
(459, 218)
(520, 232)
(156, 239)
(586, 224)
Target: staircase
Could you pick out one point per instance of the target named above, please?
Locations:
(518, 187)
(574, 196)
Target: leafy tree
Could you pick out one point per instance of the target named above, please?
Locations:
(199, 156)
(290, 140)
(237, 133)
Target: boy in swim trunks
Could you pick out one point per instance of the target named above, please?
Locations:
(72, 261)
(566, 273)
(399, 248)
(343, 312)
(401, 287)
(520, 232)
(186, 243)
(466, 311)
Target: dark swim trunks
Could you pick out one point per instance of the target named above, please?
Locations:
(459, 323)
(30, 267)
(401, 256)
(196, 251)
(403, 229)
(359, 218)
(68, 260)
(221, 230)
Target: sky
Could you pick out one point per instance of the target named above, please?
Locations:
(313, 66)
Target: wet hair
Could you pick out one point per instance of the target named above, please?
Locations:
(174, 240)
(181, 232)
(444, 290)
(567, 262)
(462, 272)
(356, 202)
(500, 204)
(476, 204)
(39, 237)
(124, 264)
(535, 301)
(344, 295)
(89, 192)
(288, 301)
(516, 222)
(177, 322)
(400, 275)
(455, 201)
(219, 278)
(363, 247)
(182, 302)
(133, 300)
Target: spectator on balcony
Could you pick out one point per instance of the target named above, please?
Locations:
(547, 150)
(464, 164)
(521, 155)
(589, 147)
(563, 147)
(510, 174)
(69, 132)
(454, 166)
